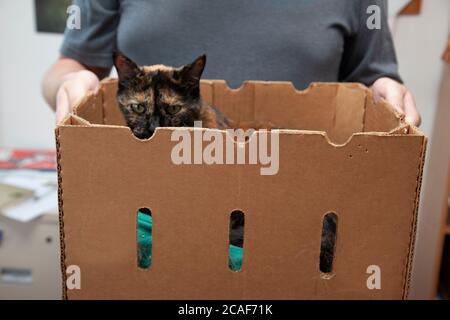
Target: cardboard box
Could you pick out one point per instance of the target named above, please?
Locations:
(345, 154)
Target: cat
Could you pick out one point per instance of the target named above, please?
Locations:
(164, 96)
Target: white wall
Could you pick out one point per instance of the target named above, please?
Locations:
(25, 119)
(420, 42)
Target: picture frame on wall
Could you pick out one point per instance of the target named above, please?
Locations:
(51, 15)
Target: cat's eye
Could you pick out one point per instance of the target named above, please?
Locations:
(173, 109)
(138, 108)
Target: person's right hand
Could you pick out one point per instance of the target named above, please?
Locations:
(74, 86)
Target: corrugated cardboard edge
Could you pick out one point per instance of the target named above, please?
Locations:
(71, 119)
(61, 216)
(413, 232)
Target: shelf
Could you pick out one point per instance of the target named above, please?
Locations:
(413, 7)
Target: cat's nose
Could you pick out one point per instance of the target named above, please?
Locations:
(152, 126)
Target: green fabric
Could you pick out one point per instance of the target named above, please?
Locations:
(144, 240)
(145, 245)
(235, 257)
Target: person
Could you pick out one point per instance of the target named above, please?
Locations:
(301, 41)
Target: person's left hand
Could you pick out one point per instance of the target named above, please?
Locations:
(399, 96)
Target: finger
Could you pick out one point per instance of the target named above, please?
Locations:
(377, 95)
(412, 116)
(396, 98)
(89, 81)
(76, 91)
(78, 88)
(62, 104)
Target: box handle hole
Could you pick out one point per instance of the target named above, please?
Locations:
(144, 222)
(236, 239)
(328, 242)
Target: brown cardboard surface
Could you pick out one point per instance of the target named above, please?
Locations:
(91, 107)
(112, 114)
(337, 109)
(371, 180)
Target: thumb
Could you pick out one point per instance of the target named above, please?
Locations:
(412, 116)
(396, 99)
(62, 104)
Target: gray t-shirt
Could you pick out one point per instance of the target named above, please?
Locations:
(286, 40)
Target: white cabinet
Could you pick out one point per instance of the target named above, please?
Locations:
(29, 259)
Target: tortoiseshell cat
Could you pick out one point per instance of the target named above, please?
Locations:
(163, 96)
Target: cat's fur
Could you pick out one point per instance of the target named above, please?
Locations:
(328, 243)
(170, 97)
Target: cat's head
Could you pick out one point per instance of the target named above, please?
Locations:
(158, 95)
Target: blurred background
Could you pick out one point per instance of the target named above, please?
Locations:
(30, 36)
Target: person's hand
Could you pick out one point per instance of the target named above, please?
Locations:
(398, 96)
(74, 86)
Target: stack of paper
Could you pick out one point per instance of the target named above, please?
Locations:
(35, 192)
(10, 195)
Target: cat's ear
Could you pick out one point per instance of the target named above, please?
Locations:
(126, 68)
(192, 73)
